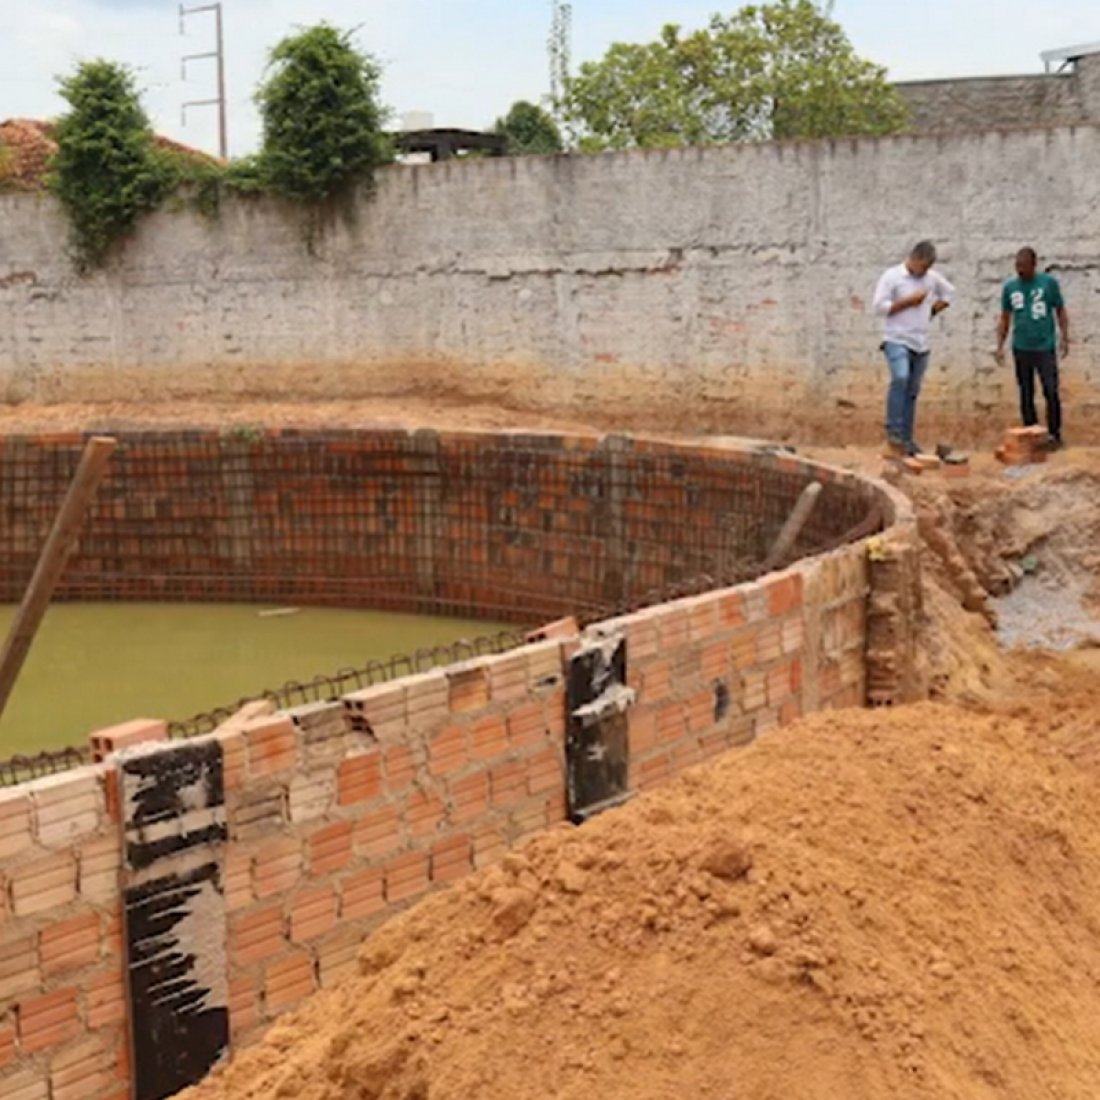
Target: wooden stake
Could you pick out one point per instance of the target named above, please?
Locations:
(51, 562)
(793, 527)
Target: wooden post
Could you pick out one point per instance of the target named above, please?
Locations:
(793, 527)
(51, 562)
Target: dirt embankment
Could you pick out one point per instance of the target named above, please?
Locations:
(866, 905)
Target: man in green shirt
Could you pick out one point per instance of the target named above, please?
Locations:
(1029, 305)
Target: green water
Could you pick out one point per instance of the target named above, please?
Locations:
(93, 665)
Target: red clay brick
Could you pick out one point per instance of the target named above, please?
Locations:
(451, 859)
(674, 628)
(7, 1046)
(256, 936)
(489, 737)
(48, 1021)
(83, 1070)
(508, 783)
(784, 595)
(19, 972)
(105, 998)
(288, 980)
(362, 894)
(447, 752)
(468, 689)
(527, 725)
(238, 878)
(406, 876)
(651, 772)
(276, 866)
(731, 610)
(671, 723)
(700, 711)
(703, 618)
(790, 712)
(69, 944)
(399, 767)
(330, 848)
(544, 772)
(424, 812)
(312, 913)
(379, 833)
(244, 1004)
(360, 778)
(272, 745)
(642, 724)
(469, 797)
(125, 735)
(656, 681)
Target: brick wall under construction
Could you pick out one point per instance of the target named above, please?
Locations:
(162, 907)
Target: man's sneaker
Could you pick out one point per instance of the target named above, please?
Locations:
(913, 449)
(1053, 443)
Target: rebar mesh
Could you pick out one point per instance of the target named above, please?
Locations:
(512, 527)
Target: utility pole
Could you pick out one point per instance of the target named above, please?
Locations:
(219, 55)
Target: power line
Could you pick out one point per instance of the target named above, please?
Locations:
(219, 55)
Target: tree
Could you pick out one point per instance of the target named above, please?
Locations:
(322, 122)
(527, 128)
(106, 171)
(777, 70)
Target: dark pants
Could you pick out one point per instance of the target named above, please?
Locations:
(1045, 364)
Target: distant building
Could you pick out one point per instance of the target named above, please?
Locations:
(27, 144)
(1066, 94)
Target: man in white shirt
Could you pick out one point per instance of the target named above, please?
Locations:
(908, 296)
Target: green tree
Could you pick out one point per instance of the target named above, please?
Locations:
(527, 128)
(776, 70)
(106, 171)
(322, 122)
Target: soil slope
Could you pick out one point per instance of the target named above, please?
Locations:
(865, 905)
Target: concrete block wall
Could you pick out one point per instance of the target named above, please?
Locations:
(723, 289)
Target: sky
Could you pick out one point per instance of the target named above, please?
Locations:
(465, 61)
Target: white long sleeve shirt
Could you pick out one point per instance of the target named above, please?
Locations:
(909, 326)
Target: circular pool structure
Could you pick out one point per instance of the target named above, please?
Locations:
(505, 527)
(249, 860)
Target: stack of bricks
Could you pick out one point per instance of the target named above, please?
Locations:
(1023, 446)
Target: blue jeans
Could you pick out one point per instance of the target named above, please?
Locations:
(907, 369)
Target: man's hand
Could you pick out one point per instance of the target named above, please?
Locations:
(911, 301)
(999, 355)
(1063, 347)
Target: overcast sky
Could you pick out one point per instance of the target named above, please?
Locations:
(466, 61)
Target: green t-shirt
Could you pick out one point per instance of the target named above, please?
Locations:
(1032, 305)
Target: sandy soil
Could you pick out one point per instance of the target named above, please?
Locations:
(866, 905)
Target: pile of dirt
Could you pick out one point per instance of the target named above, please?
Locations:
(865, 905)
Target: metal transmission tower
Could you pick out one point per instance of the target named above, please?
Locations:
(559, 47)
(219, 54)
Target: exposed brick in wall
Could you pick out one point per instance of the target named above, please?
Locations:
(340, 813)
(453, 523)
(724, 288)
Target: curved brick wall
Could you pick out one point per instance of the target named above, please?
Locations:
(516, 525)
(289, 836)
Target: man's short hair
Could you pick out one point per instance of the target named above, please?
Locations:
(925, 251)
(1028, 253)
